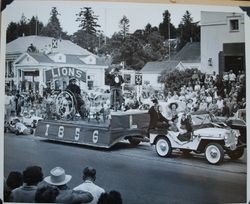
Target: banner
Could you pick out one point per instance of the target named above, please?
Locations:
(56, 73)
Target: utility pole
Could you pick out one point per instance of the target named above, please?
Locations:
(169, 37)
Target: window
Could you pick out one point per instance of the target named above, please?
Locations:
(127, 78)
(234, 25)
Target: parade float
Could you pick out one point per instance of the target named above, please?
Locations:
(89, 119)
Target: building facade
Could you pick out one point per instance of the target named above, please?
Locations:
(222, 42)
(36, 62)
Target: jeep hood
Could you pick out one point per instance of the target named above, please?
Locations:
(211, 132)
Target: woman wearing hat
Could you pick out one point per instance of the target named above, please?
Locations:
(59, 179)
(172, 113)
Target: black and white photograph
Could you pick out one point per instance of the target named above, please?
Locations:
(124, 103)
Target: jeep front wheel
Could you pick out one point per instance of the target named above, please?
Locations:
(236, 154)
(214, 153)
(163, 147)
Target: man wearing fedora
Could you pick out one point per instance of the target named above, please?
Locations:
(89, 176)
(157, 120)
(59, 179)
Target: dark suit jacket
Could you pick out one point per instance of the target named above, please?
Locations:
(156, 118)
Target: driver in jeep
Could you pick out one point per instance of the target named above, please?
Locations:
(157, 120)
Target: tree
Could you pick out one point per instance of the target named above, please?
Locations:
(24, 27)
(124, 26)
(188, 30)
(166, 25)
(175, 79)
(88, 21)
(53, 28)
(86, 40)
(12, 32)
(35, 26)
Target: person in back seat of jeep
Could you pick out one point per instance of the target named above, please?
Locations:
(186, 128)
(157, 120)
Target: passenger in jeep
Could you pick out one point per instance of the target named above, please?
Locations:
(186, 128)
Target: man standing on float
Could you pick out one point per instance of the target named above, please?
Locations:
(116, 89)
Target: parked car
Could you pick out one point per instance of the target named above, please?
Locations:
(14, 125)
(208, 137)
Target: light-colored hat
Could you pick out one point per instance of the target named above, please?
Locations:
(57, 177)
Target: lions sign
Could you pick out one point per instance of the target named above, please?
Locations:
(65, 72)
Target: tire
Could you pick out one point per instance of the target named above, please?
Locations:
(33, 125)
(163, 147)
(134, 141)
(236, 154)
(17, 132)
(214, 153)
(31, 131)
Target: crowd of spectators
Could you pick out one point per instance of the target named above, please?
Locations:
(221, 95)
(31, 186)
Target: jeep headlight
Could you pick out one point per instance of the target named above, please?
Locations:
(236, 133)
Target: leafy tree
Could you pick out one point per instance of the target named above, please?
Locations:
(86, 40)
(155, 48)
(124, 26)
(53, 28)
(166, 25)
(88, 21)
(188, 30)
(175, 79)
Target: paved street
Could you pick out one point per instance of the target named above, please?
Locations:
(137, 172)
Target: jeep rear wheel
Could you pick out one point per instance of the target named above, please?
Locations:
(214, 153)
(236, 154)
(163, 147)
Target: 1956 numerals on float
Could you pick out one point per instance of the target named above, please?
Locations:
(61, 130)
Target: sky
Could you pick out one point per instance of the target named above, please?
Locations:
(109, 13)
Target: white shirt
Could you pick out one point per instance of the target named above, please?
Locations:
(232, 77)
(92, 188)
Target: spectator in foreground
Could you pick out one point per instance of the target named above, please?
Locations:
(59, 179)
(13, 181)
(46, 194)
(26, 193)
(89, 177)
(113, 197)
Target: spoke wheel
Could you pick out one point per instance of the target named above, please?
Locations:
(214, 153)
(163, 147)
